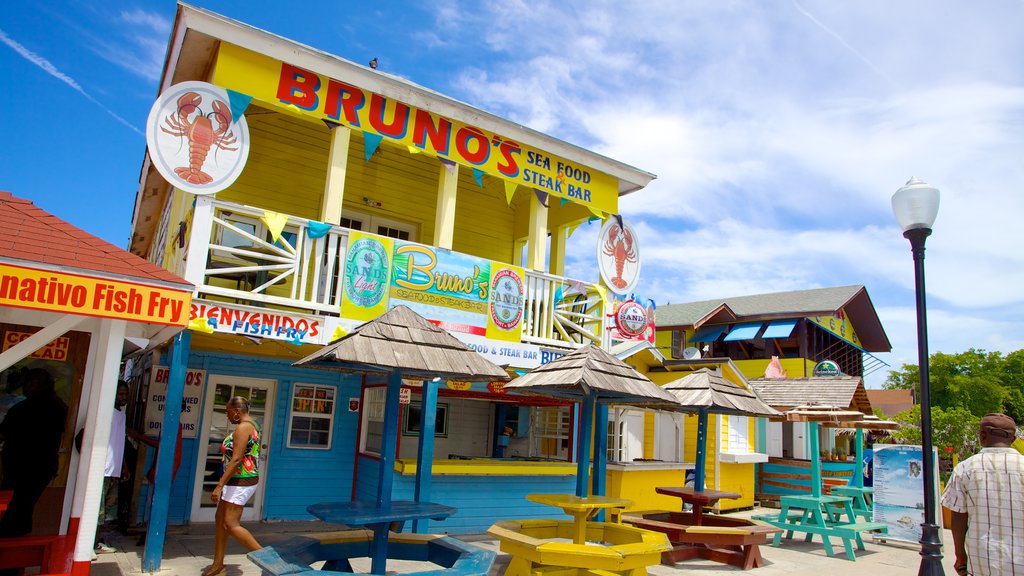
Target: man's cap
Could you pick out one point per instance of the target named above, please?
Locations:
(999, 422)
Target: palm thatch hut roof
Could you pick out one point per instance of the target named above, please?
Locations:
(591, 370)
(402, 340)
(707, 389)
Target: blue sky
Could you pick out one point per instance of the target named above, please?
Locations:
(778, 131)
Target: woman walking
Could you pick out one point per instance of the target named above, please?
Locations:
(241, 451)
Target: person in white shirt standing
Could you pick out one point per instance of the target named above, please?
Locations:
(114, 471)
(986, 496)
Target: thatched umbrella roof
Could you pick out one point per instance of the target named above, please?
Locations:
(706, 389)
(591, 370)
(403, 340)
(822, 413)
(870, 422)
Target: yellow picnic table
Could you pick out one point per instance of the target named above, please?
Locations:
(581, 509)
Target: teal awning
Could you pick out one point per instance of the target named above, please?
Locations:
(779, 329)
(708, 333)
(743, 331)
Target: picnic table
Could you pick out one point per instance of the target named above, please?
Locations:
(581, 509)
(825, 516)
(862, 498)
(732, 541)
(699, 499)
(379, 519)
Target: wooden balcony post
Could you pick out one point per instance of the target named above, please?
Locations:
(337, 164)
(199, 240)
(558, 240)
(444, 217)
(537, 247)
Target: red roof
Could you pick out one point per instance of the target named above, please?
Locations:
(32, 234)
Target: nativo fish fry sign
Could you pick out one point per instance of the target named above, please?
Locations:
(458, 292)
(74, 294)
(326, 98)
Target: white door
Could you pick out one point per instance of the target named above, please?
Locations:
(669, 436)
(774, 439)
(216, 427)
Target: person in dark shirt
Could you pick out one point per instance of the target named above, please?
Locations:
(31, 434)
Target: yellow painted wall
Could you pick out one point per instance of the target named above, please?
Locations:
(737, 478)
(663, 340)
(638, 486)
(794, 367)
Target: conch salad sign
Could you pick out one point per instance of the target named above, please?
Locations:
(327, 98)
(75, 294)
(195, 141)
(458, 292)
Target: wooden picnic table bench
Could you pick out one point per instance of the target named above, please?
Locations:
(50, 553)
(732, 541)
(817, 515)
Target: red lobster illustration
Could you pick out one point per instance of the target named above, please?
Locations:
(200, 134)
(619, 245)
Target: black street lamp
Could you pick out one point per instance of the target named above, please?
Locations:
(916, 204)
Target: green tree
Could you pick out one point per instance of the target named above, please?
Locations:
(977, 381)
(953, 431)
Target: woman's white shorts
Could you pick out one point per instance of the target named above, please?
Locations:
(237, 494)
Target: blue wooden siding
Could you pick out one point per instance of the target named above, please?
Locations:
(481, 500)
(294, 477)
(786, 478)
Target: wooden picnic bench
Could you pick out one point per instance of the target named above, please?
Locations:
(732, 541)
(817, 515)
(51, 553)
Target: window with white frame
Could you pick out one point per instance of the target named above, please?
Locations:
(372, 434)
(379, 225)
(312, 417)
(552, 425)
(669, 436)
(739, 434)
(625, 435)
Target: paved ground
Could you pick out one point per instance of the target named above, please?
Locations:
(189, 549)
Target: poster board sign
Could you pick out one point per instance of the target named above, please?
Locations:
(460, 293)
(898, 476)
(191, 402)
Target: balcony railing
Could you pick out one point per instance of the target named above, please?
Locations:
(232, 257)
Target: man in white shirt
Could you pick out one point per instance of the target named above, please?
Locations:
(114, 471)
(986, 495)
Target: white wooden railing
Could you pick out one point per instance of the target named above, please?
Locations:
(231, 256)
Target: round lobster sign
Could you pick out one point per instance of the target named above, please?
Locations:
(194, 141)
(618, 256)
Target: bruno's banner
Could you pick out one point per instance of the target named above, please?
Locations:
(460, 293)
(306, 92)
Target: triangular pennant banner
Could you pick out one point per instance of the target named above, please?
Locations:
(200, 325)
(558, 295)
(542, 196)
(414, 149)
(510, 190)
(331, 124)
(602, 292)
(478, 175)
(618, 219)
(338, 333)
(371, 142)
(578, 286)
(317, 229)
(563, 201)
(238, 102)
(275, 223)
(298, 338)
(592, 219)
(448, 165)
(596, 212)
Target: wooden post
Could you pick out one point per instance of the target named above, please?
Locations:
(157, 529)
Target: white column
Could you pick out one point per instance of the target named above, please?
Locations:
(103, 365)
(199, 240)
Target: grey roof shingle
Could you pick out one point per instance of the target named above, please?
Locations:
(783, 394)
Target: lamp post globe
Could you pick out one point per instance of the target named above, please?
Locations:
(916, 205)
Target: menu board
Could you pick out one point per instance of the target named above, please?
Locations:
(898, 473)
